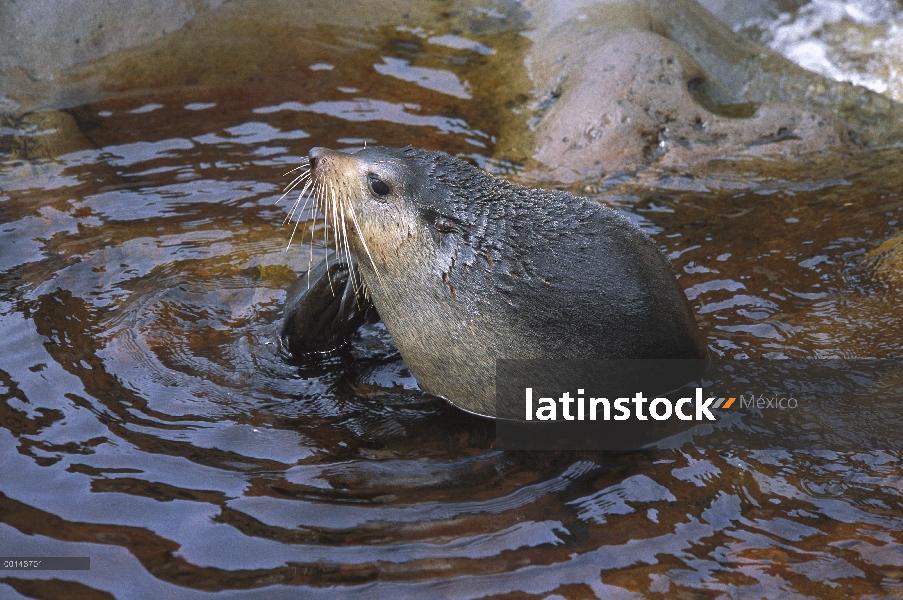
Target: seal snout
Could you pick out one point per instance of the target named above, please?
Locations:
(319, 158)
(315, 154)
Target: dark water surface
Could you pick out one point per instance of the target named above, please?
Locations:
(147, 420)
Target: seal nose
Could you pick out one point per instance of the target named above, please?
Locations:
(314, 155)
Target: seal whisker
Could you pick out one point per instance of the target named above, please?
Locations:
(310, 244)
(321, 208)
(308, 198)
(339, 198)
(316, 192)
(335, 219)
(339, 233)
(344, 201)
(360, 236)
(301, 195)
(304, 163)
(322, 193)
(292, 214)
(345, 253)
(354, 277)
(297, 202)
(292, 236)
(329, 214)
(324, 208)
(296, 180)
(292, 185)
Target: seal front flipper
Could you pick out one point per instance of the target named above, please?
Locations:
(324, 310)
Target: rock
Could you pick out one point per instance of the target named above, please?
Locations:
(736, 14)
(32, 143)
(884, 265)
(42, 135)
(43, 39)
(641, 99)
(625, 85)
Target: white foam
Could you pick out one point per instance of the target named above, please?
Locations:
(860, 41)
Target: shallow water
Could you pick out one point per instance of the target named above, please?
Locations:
(149, 422)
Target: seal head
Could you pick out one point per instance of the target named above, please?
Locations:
(465, 269)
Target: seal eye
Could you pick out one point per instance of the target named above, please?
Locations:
(378, 186)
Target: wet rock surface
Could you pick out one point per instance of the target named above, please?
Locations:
(639, 100)
(622, 86)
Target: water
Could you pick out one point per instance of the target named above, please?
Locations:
(859, 41)
(149, 422)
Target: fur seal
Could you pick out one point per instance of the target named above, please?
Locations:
(464, 269)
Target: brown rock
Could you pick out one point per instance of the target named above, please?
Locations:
(622, 86)
(640, 99)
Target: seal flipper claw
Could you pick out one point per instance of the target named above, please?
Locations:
(324, 310)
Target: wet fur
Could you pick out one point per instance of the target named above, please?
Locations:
(465, 268)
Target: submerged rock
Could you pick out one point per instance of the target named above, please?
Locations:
(42, 135)
(884, 265)
(31, 145)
